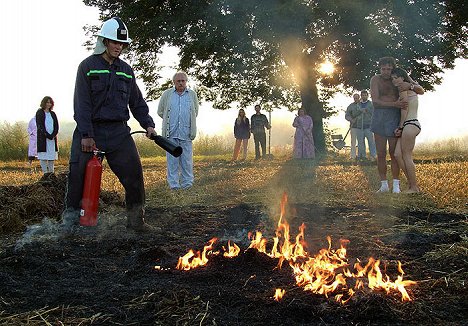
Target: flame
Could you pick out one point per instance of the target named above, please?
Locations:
(328, 271)
(283, 248)
(378, 281)
(279, 293)
(192, 260)
(232, 251)
(325, 273)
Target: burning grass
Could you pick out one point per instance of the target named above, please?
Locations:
(109, 277)
(324, 273)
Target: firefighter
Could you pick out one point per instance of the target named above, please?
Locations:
(105, 90)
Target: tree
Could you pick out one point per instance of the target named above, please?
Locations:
(250, 51)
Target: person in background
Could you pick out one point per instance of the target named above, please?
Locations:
(258, 123)
(32, 134)
(47, 129)
(303, 139)
(364, 132)
(105, 89)
(242, 135)
(352, 111)
(178, 108)
(408, 129)
(386, 118)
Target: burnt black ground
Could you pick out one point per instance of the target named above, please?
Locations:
(109, 277)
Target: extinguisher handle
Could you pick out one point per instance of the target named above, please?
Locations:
(98, 154)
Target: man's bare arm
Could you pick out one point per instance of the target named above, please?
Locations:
(411, 86)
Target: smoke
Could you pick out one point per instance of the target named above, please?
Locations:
(47, 231)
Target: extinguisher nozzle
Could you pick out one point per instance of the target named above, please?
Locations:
(167, 145)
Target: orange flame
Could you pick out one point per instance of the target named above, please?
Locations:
(232, 251)
(279, 293)
(192, 260)
(258, 242)
(325, 273)
(376, 280)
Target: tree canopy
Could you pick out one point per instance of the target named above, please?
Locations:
(269, 51)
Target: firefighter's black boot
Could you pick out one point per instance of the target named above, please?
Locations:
(136, 222)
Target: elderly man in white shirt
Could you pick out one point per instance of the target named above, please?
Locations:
(178, 107)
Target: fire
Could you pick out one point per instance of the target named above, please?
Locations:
(232, 251)
(376, 280)
(283, 248)
(279, 293)
(325, 273)
(194, 259)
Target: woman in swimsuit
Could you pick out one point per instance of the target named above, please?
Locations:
(408, 129)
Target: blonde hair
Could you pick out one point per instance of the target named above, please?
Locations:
(239, 118)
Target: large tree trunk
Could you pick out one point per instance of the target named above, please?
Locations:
(313, 107)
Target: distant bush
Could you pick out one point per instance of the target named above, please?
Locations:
(447, 147)
(13, 141)
(211, 145)
(203, 145)
(147, 147)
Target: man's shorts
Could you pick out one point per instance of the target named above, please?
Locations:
(385, 121)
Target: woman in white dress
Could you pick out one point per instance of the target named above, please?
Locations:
(47, 129)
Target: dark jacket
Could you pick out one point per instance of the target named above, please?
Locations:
(242, 129)
(258, 123)
(42, 133)
(104, 93)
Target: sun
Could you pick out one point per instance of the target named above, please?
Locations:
(326, 68)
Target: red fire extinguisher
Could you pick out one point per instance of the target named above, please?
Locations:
(91, 191)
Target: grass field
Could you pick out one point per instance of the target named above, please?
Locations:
(427, 232)
(444, 181)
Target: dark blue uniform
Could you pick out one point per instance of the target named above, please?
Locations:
(103, 95)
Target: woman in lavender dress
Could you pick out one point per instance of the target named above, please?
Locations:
(303, 139)
(32, 133)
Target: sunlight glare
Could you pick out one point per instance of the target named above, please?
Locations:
(326, 68)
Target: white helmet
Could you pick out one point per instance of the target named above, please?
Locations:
(112, 29)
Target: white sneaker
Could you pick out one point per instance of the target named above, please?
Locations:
(396, 190)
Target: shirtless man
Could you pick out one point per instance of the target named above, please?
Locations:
(386, 118)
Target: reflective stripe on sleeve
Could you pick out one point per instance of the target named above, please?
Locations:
(123, 74)
(95, 72)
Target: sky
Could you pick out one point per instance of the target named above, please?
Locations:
(43, 46)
